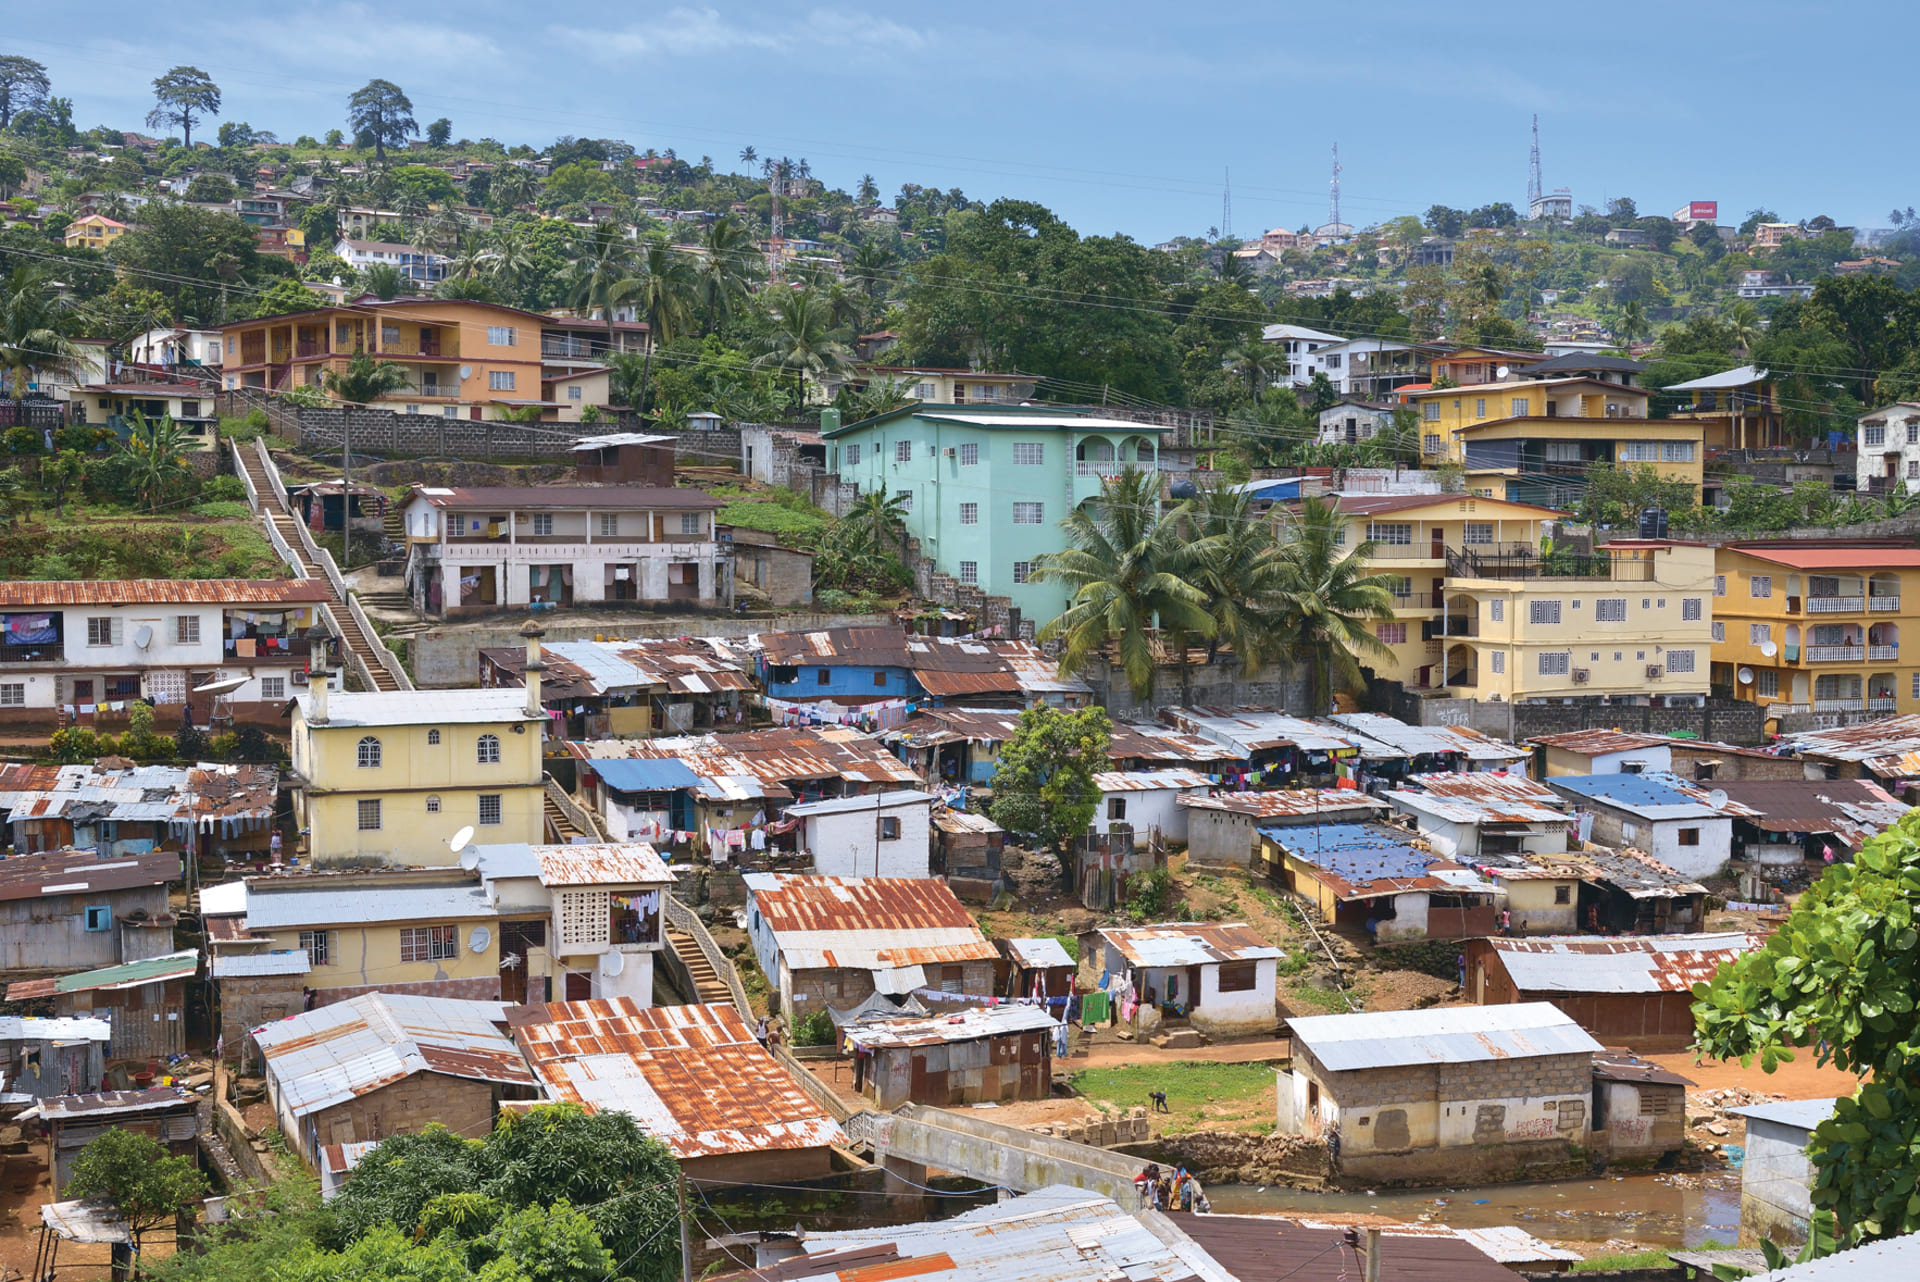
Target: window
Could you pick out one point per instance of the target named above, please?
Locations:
(1029, 513)
(488, 750)
(368, 753)
(1639, 451)
(186, 629)
(449, 411)
(433, 805)
(1768, 683)
(319, 946)
(1117, 808)
(969, 514)
(1676, 451)
(1391, 633)
(903, 451)
(489, 809)
(1497, 611)
(1543, 612)
(1828, 634)
(880, 680)
(1238, 977)
(970, 572)
(853, 456)
(905, 498)
(543, 523)
(1719, 585)
(1430, 411)
(1759, 633)
(1690, 609)
(1497, 662)
(1680, 661)
(1479, 533)
(1563, 894)
(1401, 585)
(889, 827)
(1555, 663)
(13, 694)
(609, 525)
(101, 631)
(690, 521)
(1689, 836)
(1913, 432)
(1719, 631)
(1480, 407)
(500, 380)
(573, 393)
(1143, 452)
(1760, 585)
(1874, 434)
(427, 943)
(273, 689)
(925, 391)
(123, 687)
(1430, 445)
(99, 917)
(1610, 609)
(1022, 571)
(500, 336)
(1522, 407)
(1029, 453)
(969, 454)
(433, 738)
(368, 809)
(826, 676)
(1399, 533)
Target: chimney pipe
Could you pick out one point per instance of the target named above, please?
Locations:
(533, 632)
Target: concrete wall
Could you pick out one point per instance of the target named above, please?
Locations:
(1642, 1121)
(247, 1002)
(1562, 762)
(1154, 808)
(1774, 1183)
(1017, 1159)
(850, 845)
(1661, 839)
(1220, 837)
(406, 1107)
(1727, 720)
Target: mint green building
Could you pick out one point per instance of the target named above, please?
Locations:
(987, 488)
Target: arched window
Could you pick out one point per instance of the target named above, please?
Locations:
(369, 753)
(489, 750)
(433, 738)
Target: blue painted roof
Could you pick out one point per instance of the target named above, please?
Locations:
(1359, 853)
(1283, 488)
(662, 774)
(1645, 793)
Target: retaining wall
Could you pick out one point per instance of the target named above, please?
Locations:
(996, 1154)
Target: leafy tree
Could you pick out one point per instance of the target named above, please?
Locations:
(365, 379)
(440, 132)
(1755, 217)
(381, 115)
(1616, 495)
(800, 338)
(382, 280)
(575, 184)
(1839, 976)
(1333, 600)
(188, 254)
(23, 87)
(425, 182)
(182, 96)
(35, 319)
(210, 189)
(137, 1175)
(61, 473)
(1621, 211)
(1498, 214)
(1443, 221)
(157, 449)
(1043, 782)
(1706, 238)
(13, 172)
(512, 187)
(285, 296)
(75, 745)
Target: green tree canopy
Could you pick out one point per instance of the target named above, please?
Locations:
(1043, 782)
(187, 253)
(181, 97)
(146, 1184)
(23, 87)
(381, 116)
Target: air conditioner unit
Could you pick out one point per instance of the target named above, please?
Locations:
(1581, 676)
(1654, 671)
(298, 676)
(951, 451)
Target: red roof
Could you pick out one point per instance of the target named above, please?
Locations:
(1850, 556)
(162, 592)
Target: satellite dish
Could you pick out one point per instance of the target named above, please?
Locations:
(1746, 676)
(1769, 649)
(1717, 798)
(469, 859)
(479, 939)
(1504, 371)
(143, 636)
(460, 839)
(466, 371)
(611, 964)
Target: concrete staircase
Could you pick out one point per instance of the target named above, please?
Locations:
(709, 987)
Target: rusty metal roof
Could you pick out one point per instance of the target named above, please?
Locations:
(334, 1053)
(967, 1026)
(865, 923)
(1623, 1066)
(30, 593)
(153, 1099)
(964, 821)
(1367, 861)
(1889, 737)
(1149, 780)
(77, 872)
(1389, 738)
(113, 788)
(1290, 803)
(1633, 872)
(774, 757)
(629, 863)
(1440, 1035)
(1593, 743)
(1147, 742)
(596, 668)
(692, 1077)
(1851, 809)
(1482, 797)
(133, 974)
(1618, 964)
(1251, 730)
(1189, 943)
(953, 685)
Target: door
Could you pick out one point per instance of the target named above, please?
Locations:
(515, 938)
(919, 1087)
(1438, 545)
(579, 986)
(474, 413)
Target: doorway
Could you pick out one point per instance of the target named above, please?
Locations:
(516, 938)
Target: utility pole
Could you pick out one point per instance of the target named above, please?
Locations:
(774, 243)
(1226, 208)
(1334, 204)
(686, 1245)
(1535, 188)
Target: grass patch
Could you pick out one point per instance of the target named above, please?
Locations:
(1651, 1259)
(223, 510)
(792, 526)
(1328, 1001)
(1200, 1096)
(103, 541)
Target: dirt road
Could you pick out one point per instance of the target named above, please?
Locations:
(1800, 1079)
(1113, 1054)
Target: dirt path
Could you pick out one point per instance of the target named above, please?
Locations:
(1800, 1079)
(1116, 1054)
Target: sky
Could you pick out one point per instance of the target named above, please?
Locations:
(1121, 117)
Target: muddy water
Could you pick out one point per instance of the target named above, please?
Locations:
(1658, 1210)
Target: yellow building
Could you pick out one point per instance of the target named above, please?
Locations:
(392, 776)
(95, 231)
(1816, 627)
(1533, 441)
(1482, 612)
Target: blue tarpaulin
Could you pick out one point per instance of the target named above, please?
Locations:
(664, 774)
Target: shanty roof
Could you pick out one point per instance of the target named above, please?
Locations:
(1290, 803)
(1260, 1248)
(1044, 953)
(133, 974)
(759, 763)
(1482, 798)
(595, 669)
(1621, 1066)
(1594, 743)
(1188, 943)
(1894, 1259)
(865, 923)
(692, 1077)
(947, 667)
(223, 899)
(873, 801)
(1851, 809)
(1368, 861)
(290, 961)
(351, 1048)
(964, 821)
(154, 1099)
(969, 1025)
(93, 1220)
(76, 872)
(1440, 1035)
(308, 900)
(29, 593)
(1634, 873)
(1619, 964)
(1654, 795)
(1803, 1113)
(1878, 745)
(197, 798)
(1148, 742)
(614, 439)
(1741, 376)
(628, 863)
(351, 709)
(68, 1028)
(1388, 738)
(1056, 1234)
(1251, 730)
(606, 498)
(667, 774)
(1149, 780)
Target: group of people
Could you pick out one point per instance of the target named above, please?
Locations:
(1173, 1190)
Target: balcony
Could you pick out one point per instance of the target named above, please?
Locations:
(1526, 563)
(431, 348)
(1888, 653)
(1836, 654)
(1407, 552)
(50, 652)
(1836, 604)
(1839, 705)
(267, 648)
(1884, 604)
(573, 348)
(1882, 703)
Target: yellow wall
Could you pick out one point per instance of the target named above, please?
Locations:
(370, 954)
(411, 771)
(1789, 613)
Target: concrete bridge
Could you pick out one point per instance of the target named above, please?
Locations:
(916, 1137)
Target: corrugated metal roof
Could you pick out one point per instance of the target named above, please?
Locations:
(1594, 743)
(1386, 738)
(1851, 809)
(347, 709)
(30, 593)
(1440, 1035)
(1482, 797)
(873, 801)
(1147, 742)
(692, 1077)
(1149, 780)
(772, 757)
(1038, 954)
(133, 974)
(1654, 795)
(290, 961)
(954, 685)
(865, 923)
(1633, 872)
(1290, 803)
(667, 774)
(964, 821)
(628, 863)
(153, 1099)
(337, 1052)
(969, 1025)
(202, 797)
(1251, 730)
(594, 669)
(1189, 943)
(1511, 1245)
(68, 1028)
(64, 872)
(1367, 861)
(1621, 1066)
(314, 901)
(546, 497)
(1803, 1113)
(1618, 964)
(1894, 1259)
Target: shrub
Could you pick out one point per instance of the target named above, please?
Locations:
(74, 744)
(814, 1030)
(24, 440)
(190, 743)
(224, 489)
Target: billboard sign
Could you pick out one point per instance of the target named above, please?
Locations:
(1703, 211)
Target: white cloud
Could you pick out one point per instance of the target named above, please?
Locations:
(685, 31)
(338, 42)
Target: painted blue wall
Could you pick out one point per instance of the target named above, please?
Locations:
(846, 683)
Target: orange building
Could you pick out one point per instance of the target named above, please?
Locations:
(463, 359)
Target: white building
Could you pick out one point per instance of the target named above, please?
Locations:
(176, 347)
(420, 266)
(884, 834)
(1355, 422)
(1685, 827)
(1466, 816)
(1221, 974)
(474, 550)
(1299, 343)
(1224, 828)
(1889, 440)
(94, 646)
(1148, 800)
(1368, 366)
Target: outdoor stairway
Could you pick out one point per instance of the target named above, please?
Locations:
(710, 987)
(273, 508)
(560, 830)
(395, 527)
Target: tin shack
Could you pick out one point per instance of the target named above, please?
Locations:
(979, 1056)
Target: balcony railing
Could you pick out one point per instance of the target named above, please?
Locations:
(1882, 703)
(1836, 604)
(1836, 653)
(1884, 604)
(1890, 653)
(1422, 551)
(1839, 705)
(1788, 709)
(50, 652)
(574, 348)
(1478, 563)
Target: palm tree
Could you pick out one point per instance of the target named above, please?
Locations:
(727, 272)
(605, 267)
(382, 280)
(471, 258)
(1632, 322)
(747, 156)
(1124, 566)
(1743, 319)
(512, 187)
(664, 293)
(1240, 567)
(871, 269)
(34, 318)
(1332, 598)
(883, 517)
(413, 206)
(365, 380)
(159, 446)
(1254, 361)
(1234, 270)
(800, 339)
(447, 225)
(513, 259)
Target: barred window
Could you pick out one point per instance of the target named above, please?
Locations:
(1497, 662)
(1690, 609)
(1679, 661)
(489, 809)
(853, 456)
(186, 629)
(1391, 633)
(1479, 533)
(970, 572)
(318, 945)
(1543, 612)
(1610, 609)
(1497, 611)
(1760, 585)
(427, 943)
(368, 814)
(969, 514)
(1759, 633)
(1022, 571)
(1719, 585)
(1029, 453)
(1399, 533)
(1555, 663)
(903, 451)
(488, 750)
(1768, 683)
(1719, 631)
(969, 454)
(1029, 513)
(367, 753)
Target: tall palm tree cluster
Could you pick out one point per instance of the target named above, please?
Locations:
(1149, 580)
